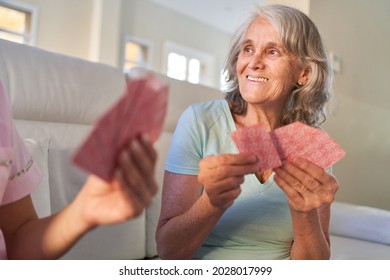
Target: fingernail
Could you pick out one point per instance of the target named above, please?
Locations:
(146, 138)
(135, 145)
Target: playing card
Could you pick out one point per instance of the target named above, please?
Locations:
(141, 110)
(296, 139)
(256, 140)
(315, 145)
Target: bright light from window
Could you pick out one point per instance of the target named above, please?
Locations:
(132, 52)
(223, 82)
(187, 64)
(16, 23)
(13, 20)
(177, 66)
(194, 71)
(11, 37)
(137, 53)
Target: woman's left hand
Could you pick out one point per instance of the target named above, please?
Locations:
(306, 185)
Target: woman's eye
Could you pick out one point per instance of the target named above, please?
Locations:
(247, 49)
(273, 52)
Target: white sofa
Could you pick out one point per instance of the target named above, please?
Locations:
(56, 99)
(359, 232)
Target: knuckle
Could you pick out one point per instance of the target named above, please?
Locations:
(298, 186)
(221, 172)
(222, 160)
(311, 182)
(238, 191)
(241, 180)
(317, 204)
(329, 198)
(235, 181)
(294, 196)
(333, 184)
(335, 187)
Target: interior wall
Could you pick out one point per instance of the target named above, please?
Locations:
(157, 24)
(302, 5)
(95, 30)
(87, 29)
(359, 31)
(105, 39)
(64, 26)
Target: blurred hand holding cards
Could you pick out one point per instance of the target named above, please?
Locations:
(141, 110)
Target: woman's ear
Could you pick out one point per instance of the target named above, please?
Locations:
(304, 77)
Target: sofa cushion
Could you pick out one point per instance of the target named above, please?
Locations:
(39, 150)
(346, 248)
(55, 87)
(360, 222)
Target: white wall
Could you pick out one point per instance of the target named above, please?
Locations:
(359, 31)
(95, 29)
(87, 29)
(104, 44)
(158, 24)
(64, 26)
(303, 5)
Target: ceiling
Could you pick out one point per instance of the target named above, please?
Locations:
(224, 15)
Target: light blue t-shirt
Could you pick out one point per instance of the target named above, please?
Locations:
(258, 225)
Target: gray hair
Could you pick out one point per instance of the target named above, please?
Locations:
(301, 37)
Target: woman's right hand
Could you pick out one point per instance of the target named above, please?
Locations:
(222, 175)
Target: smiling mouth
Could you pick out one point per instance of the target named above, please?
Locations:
(260, 79)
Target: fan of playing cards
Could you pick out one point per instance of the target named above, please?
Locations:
(295, 139)
(141, 110)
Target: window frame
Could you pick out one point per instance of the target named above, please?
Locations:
(31, 37)
(205, 59)
(145, 43)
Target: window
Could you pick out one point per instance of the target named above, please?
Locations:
(190, 65)
(223, 81)
(177, 66)
(17, 22)
(183, 68)
(137, 53)
(194, 71)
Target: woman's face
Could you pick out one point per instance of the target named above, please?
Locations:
(266, 71)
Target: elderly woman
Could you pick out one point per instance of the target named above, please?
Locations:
(216, 204)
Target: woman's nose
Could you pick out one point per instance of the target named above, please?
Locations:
(256, 62)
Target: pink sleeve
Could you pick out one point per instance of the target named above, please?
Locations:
(20, 175)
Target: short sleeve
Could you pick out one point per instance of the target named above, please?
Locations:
(5, 169)
(185, 151)
(23, 173)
